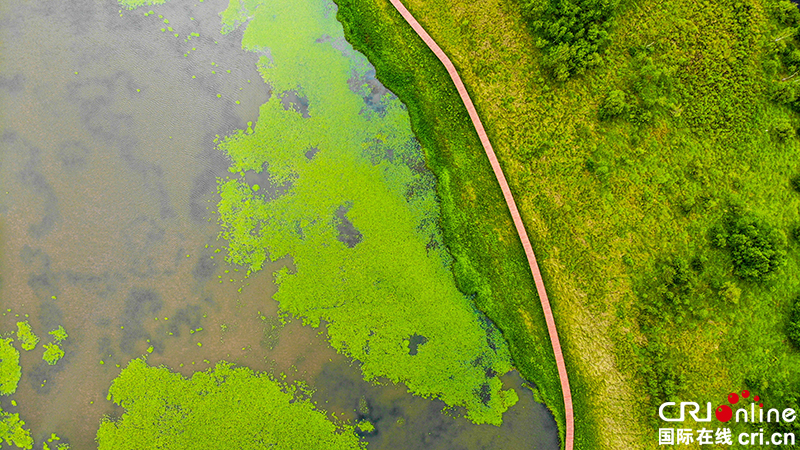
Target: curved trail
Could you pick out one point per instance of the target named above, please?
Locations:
(512, 206)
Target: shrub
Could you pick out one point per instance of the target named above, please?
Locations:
(784, 131)
(614, 104)
(795, 182)
(757, 248)
(640, 116)
(730, 292)
(794, 323)
(787, 13)
(784, 93)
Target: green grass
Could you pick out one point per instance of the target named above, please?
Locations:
(620, 210)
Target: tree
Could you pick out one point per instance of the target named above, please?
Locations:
(757, 248)
(571, 32)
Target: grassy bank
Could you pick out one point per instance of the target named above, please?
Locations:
(489, 262)
(627, 175)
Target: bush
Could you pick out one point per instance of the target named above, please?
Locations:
(784, 131)
(784, 93)
(653, 83)
(640, 116)
(794, 323)
(795, 182)
(757, 248)
(786, 12)
(614, 104)
(730, 292)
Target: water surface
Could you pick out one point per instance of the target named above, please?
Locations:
(109, 172)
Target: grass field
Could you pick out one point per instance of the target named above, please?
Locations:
(625, 212)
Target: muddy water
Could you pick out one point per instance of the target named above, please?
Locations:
(107, 184)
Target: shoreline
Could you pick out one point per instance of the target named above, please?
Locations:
(494, 270)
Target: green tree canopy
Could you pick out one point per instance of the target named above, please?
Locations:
(757, 248)
(570, 31)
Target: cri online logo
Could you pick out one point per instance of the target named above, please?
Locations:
(725, 413)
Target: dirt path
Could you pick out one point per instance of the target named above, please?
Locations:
(512, 206)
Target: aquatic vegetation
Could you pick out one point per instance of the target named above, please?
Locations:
(59, 334)
(133, 4)
(366, 173)
(54, 437)
(10, 370)
(26, 336)
(61, 446)
(365, 426)
(52, 353)
(12, 431)
(11, 427)
(223, 407)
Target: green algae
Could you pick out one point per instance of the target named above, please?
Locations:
(133, 4)
(237, 13)
(10, 370)
(26, 336)
(365, 426)
(59, 334)
(53, 437)
(223, 407)
(61, 446)
(52, 353)
(393, 282)
(11, 426)
(12, 431)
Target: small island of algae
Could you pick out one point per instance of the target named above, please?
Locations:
(26, 336)
(53, 351)
(11, 426)
(10, 370)
(223, 407)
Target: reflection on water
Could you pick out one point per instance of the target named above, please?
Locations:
(107, 169)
